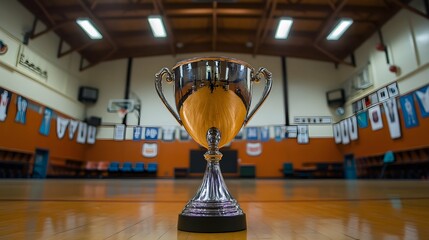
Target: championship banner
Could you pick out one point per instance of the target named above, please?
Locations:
(184, 135)
(265, 134)
(353, 131)
(409, 111)
(279, 133)
(362, 119)
(92, 132)
(81, 132)
(392, 116)
(5, 97)
(151, 133)
(168, 134)
(45, 127)
(72, 128)
(344, 132)
(303, 135)
(150, 150)
(119, 132)
(337, 133)
(239, 136)
(21, 110)
(137, 133)
(375, 118)
(62, 124)
(422, 96)
(254, 149)
(252, 133)
(291, 131)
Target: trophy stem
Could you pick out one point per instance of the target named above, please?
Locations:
(212, 209)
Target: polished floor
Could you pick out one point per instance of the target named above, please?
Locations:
(276, 209)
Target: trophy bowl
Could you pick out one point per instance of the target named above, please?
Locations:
(213, 98)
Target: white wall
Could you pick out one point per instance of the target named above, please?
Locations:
(406, 36)
(59, 91)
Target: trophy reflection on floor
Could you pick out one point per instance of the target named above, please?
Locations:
(213, 98)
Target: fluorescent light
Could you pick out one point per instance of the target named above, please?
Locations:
(283, 28)
(341, 27)
(157, 26)
(89, 28)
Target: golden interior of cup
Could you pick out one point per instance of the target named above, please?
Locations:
(219, 108)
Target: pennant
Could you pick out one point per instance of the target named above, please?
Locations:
(150, 150)
(137, 133)
(265, 134)
(168, 134)
(252, 133)
(119, 132)
(21, 110)
(92, 132)
(62, 124)
(362, 119)
(353, 131)
(409, 111)
(81, 132)
(254, 149)
(392, 116)
(337, 133)
(45, 127)
(151, 133)
(72, 128)
(422, 96)
(375, 118)
(5, 97)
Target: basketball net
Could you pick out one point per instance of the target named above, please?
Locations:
(122, 112)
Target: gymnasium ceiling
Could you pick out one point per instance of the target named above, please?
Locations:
(233, 26)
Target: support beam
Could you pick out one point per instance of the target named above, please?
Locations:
(263, 24)
(77, 49)
(412, 9)
(332, 56)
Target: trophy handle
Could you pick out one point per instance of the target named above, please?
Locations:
(268, 84)
(158, 86)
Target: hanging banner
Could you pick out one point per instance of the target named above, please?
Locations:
(375, 118)
(344, 132)
(422, 96)
(92, 132)
(362, 119)
(392, 116)
(303, 135)
(353, 130)
(137, 133)
(21, 110)
(409, 111)
(81, 132)
(239, 135)
(254, 149)
(5, 97)
(265, 134)
(252, 133)
(337, 133)
(72, 128)
(184, 136)
(151, 133)
(45, 127)
(62, 124)
(150, 150)
(168, 134)
(119, 132)
(291, 132)
(279, 133)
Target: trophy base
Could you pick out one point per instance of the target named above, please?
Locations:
(217, 224)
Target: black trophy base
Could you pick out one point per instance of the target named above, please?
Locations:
(212, 224)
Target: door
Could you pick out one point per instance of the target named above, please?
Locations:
(41, 158)
(350, 167)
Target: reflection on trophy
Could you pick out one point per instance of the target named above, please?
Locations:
(213, 98)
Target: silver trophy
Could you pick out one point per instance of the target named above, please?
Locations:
(213, 97)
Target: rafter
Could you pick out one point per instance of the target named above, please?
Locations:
(214, 23)
(160, 9)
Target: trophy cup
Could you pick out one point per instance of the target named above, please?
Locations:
(213, 98)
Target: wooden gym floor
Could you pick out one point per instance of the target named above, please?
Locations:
(276, 209)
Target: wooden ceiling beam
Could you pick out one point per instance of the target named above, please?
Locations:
(262, 24)
(214, 25)
(411, 9)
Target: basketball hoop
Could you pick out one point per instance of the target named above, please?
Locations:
(122, 112)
